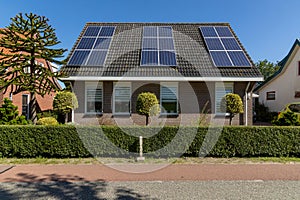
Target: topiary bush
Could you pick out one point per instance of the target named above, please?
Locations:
(232, 104)
(148, 105)
(47, 121)
(63, 103)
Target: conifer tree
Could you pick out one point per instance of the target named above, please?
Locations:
(29, 37)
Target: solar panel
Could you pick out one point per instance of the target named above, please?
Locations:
(167, 58)
(149, 58)
(223, 47)
(220, 58)
(150, 31)
(93, 46)
(92, 31)
(158, 46)
(86, 43)
(165, 31)
(214, 44)
(150, 44)
(79, 57)
(166, 44)
(230, 44)
(97, 58)
(102, 43)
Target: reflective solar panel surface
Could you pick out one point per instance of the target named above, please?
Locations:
(223, 47)
(93, 46)
(158, 46)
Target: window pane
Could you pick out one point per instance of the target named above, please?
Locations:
(221, 91)
(94, 100)
(122, 99)
(122, 107)
(169, 99)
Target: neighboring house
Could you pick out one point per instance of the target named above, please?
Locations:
(284, 86)
(22, 99)
(189, 66)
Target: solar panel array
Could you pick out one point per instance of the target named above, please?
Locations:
(93, 46)
(223, 47)
(158, 46)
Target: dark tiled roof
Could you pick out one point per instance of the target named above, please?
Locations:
(193, 58)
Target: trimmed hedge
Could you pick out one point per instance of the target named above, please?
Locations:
(70, 141)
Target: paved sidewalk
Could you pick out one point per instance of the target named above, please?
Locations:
(175, 172)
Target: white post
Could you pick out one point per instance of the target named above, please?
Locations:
(141, 158)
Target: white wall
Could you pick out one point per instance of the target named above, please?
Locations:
(284, 85)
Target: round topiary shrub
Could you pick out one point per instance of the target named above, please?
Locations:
(47, 121)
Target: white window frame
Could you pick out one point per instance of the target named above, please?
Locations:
(222, 86)
(27, 103)
(168, 84)
(92, 85)
(121, 84)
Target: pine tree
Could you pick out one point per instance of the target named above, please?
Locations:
(27, 39)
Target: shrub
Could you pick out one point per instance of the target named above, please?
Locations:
(9, 114)
(70, 141)
(147, 104)
(63, 103)
(47, 121)
(232, 104)
(287, 119)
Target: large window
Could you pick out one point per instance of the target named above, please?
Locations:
(94, 98)
(25, 105)
(168, 98)
(122, 95)
(221, 90)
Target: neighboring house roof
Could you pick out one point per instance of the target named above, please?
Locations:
(192, 56)
(283, 65)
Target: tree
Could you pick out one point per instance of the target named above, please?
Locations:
(9, 114)
(64, 102)
(27, 39)
(148, 105)
(232, 104)
(287, 119)
(267, 68)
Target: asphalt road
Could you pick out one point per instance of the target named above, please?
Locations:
(153, 190)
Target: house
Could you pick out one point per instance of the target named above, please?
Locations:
(22, 99)
(284, 86)
(188, 66)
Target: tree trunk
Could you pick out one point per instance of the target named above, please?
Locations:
(230, 119)
(32, 108)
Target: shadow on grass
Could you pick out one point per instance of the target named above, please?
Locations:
(54, 186)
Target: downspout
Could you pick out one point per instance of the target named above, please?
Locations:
(246, 104)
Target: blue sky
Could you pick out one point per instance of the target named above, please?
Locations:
(266, 28)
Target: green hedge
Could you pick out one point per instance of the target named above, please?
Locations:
(70, 141)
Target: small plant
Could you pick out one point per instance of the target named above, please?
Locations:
(287, 119)
(232, 104)
(63, 103)
(47, 121)
(9, 114)
(148, 105)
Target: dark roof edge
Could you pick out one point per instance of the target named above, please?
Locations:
(282, 65)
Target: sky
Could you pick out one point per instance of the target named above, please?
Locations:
(266, 28)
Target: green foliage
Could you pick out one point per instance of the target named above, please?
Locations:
(46, 113)
(28, 38)
(147, 104)
(267, 68)
(47, 121)
(263, 114)
(111, 141)
(64, 102)
(9, 114)
(232, 104)
(287, 119)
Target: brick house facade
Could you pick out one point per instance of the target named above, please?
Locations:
(111, 63)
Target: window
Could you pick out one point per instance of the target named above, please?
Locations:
(271, 95)
(221, 90)
(168, 98)
(122, 95)
(25, 105)
(93, 98)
